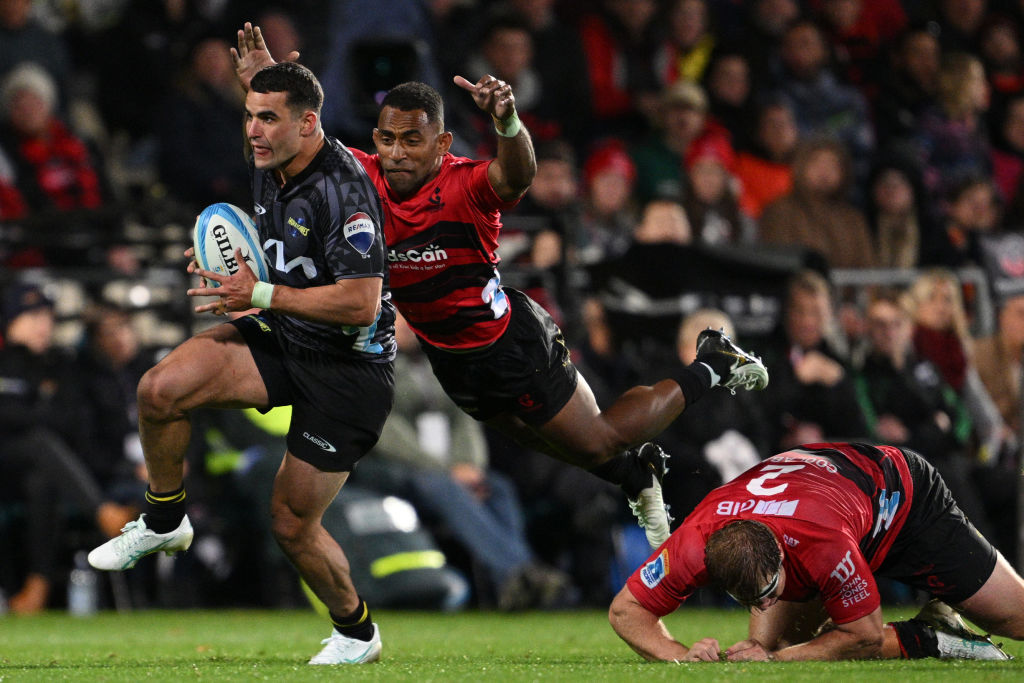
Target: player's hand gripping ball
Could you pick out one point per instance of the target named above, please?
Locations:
(219, 230)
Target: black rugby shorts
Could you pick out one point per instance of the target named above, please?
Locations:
(938, 550)
(339, 404)
(526, 372)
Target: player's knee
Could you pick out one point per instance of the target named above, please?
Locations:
(288, 529)
(156, 396)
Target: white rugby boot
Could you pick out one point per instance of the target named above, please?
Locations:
(339, 649)
(746, 370)
(649, 505)
(955, 639)
(136, 541)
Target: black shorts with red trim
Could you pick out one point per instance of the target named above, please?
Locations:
(526, 372)
(938, 550)
(339, 404)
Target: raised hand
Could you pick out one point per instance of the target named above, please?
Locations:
(252, 54)
(492, 95)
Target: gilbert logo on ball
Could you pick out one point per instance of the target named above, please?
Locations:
(219, 230)
(359, 231)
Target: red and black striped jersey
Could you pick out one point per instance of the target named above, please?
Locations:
(442, 252)
(835, 508)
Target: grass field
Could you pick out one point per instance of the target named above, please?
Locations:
(473, 646)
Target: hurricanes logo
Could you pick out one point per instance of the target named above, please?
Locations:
(297, 226)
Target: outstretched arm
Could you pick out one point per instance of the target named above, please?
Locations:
(253, 54)
(647, 635)
(860, 639)
(512, 171)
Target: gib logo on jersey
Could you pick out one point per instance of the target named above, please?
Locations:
(359, 231)
(655, 570)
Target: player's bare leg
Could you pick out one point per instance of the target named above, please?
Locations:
(998, 606)
(301, 495)
(213, 369)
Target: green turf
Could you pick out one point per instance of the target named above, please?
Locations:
(474, 646)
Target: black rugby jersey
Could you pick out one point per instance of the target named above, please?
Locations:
(325, 225)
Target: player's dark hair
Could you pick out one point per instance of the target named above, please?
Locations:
(303, 89)
(413, 95)
(741, 557)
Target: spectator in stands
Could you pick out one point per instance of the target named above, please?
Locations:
(557, 46)
(505, 50)
(153, 39)
(712, 200)
(609, 210)
(959, 22)
(720, 439)
(1001, 53)
(951, 136)
(896, 212)
(542, 241)
(619, 40)
(111, 362)
(682, 119)
(731, 95)
(908, 404)
(41, 419)
(198, 131)
(973, 210)
(12, 204)
(859, 31)
(941, 336)
(435, 456)
(1008, 157)
(55, 170)
(816, 214)
(765, 170)
(762, 31)
(24, 39)
(822, 104)
(686, 52)
(999, 358)
(909, 86)
(811, 396)
(641, 290)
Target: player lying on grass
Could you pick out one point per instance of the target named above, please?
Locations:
(799, 539)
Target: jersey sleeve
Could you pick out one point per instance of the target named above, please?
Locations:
(353, 238)
(481, 192)
(671, 574)
(848, 588)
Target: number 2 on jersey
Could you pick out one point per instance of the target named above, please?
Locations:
(757, 486)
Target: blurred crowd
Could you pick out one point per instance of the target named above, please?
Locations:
(837, 183)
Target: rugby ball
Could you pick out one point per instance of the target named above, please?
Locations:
(219, 230)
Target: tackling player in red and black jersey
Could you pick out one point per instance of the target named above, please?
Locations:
(800, 537)
(497, 353)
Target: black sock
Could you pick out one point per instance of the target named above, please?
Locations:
(625, 471)
(164, 511)
(694, 380)
(917, 639)
(358, 625)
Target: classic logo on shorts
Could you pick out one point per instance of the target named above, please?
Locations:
(654, 571)
(320, 442)
(359, 231)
